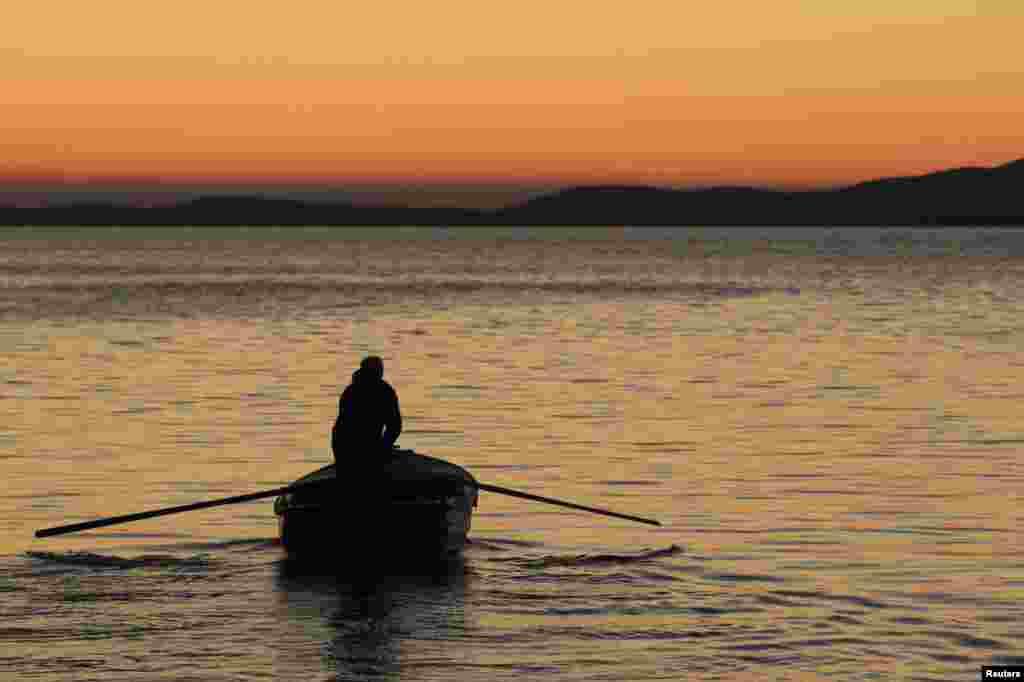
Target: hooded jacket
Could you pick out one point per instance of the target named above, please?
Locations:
(368, 416)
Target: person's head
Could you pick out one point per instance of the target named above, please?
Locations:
(372, 366)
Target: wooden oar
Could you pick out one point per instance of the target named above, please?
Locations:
(562, 503)
(139, 516)
(125, 518)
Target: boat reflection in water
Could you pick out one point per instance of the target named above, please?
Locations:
(374, 579)
(373, 623)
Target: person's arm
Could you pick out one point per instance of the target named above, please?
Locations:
(393, 425)
(336, 430)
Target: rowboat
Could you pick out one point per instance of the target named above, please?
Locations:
(406, 507)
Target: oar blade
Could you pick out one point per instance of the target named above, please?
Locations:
(139, 516)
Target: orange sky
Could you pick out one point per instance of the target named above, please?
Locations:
(533, 92)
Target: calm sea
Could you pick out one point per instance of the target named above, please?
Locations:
(827, 422)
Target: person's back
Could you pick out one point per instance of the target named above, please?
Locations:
(369, 421)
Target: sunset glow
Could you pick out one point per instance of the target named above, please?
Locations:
(456, 92)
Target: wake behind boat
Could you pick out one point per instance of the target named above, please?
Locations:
(407, 506)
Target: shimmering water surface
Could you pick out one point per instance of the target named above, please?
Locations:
(827, 423)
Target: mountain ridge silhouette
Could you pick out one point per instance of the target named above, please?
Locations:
(974, 195)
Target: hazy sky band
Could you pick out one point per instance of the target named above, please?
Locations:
(788, 92)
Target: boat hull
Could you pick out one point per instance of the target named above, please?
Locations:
(412, 508)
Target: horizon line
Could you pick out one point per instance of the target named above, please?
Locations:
(156, 191)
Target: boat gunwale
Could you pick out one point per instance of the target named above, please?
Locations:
(406, 502)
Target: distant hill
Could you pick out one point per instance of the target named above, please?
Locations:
(960, 196)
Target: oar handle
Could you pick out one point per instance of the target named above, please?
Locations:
(562, 503)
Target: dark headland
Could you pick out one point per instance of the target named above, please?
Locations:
(977, 196)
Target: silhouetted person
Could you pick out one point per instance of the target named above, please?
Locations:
(369, 420)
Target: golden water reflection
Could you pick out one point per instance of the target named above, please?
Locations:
(859, 440)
